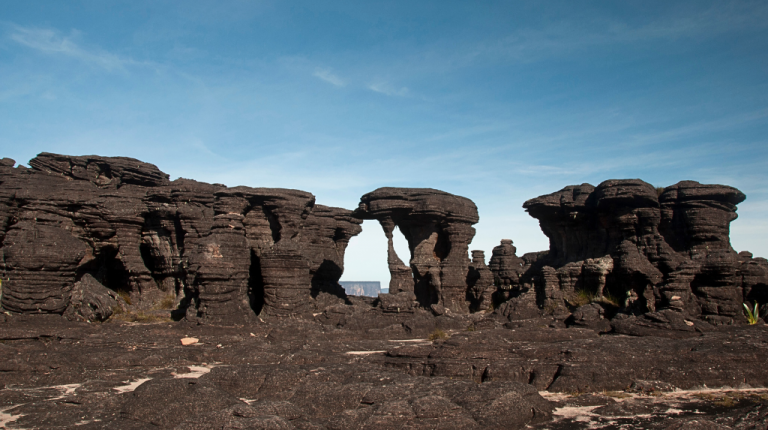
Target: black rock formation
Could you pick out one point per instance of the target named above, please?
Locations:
(224, 253)
(438, 228)
(635, 249)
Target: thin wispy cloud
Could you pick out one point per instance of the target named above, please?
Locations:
(328, 76)
(498, 105)
(695, 129)
(51, 42)
(389, 90)
(568, 38)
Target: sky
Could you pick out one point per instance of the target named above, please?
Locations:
(499, 102)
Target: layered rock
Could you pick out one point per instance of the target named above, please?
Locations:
(633, 247)
(516, 293)
(438, 228)
(324, 240)
(228, 252)
(90, 301)
(506, 265)
(481, 283)
(40, 262)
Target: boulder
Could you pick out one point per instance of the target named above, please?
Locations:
(91, 301)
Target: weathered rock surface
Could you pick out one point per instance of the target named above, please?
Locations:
(90, 301)
(636, 250)
(480, 282)
(438, 228)
(313, 373)
(221, 253)
(579, 360)
(506, 265)
(640, 293)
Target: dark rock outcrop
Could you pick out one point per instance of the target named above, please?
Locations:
(481, 283)
(224, 253)
(438, 227)
(231, 253)
(301, 373)
(638, 250)
(506, 265)
(90, 301)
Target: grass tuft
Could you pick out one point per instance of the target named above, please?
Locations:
(139, 317)
(612, 300)
(617, 394)
(752, 315)
(437, 334)
(583, 297)
(125, 296)
(167, 302)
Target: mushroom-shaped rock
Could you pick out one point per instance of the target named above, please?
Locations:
(438, 228)
(656, 248)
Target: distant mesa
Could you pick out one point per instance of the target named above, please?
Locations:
(366, 288)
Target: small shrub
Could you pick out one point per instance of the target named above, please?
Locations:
(659, 190)
(149, 318)
(725, 402)
(437, 334)
(139, 317)
(583, 297)
(167, 302)
(124, 295)
(752, 315)
(129, 314)
(617, 394)
(550, 307)
(471, 327)
(615, 301)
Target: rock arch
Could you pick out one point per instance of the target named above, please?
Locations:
(438, 228)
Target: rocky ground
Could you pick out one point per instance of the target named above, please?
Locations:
(420, 371)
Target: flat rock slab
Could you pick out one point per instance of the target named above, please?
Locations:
(301, 374)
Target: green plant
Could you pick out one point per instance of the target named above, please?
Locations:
(582, 297)
(752, 315)
(550, 307)
(125, 296)
(471, 327)
(617, 394)
(437, 334)
(612, 300)
(167, 302)
(117, 310)
(138, 317)
(726, 401)
(659, 190)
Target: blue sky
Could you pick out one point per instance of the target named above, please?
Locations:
(496, 101)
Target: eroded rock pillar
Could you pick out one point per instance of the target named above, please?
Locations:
(401, 277)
